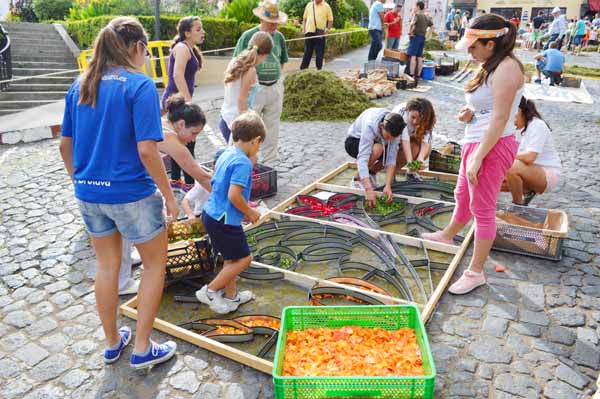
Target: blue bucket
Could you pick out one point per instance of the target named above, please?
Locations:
(428, 72)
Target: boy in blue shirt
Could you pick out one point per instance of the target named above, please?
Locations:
(551, 63)
(225, 209)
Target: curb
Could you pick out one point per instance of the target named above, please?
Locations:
(29, 135)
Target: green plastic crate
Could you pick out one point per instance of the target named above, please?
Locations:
(391, 317)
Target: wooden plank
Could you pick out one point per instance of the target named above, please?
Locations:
(399, 238)
(216, 347)
(352, 165)
(441, 287)
(335, 172)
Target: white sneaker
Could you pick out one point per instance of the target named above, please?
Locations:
(130, 288)
(213, 299)
(241, 298)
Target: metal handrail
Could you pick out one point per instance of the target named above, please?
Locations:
(5, 60)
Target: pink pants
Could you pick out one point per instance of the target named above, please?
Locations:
(480, 200)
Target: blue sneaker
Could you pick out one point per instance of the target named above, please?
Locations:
(112, 355)
(156, 354)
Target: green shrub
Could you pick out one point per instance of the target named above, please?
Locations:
(51, 9)
(294, 8)
(359, 10)
(341, 11)
(590, 49)
(240, 10)
(22, 11)
(434, 45)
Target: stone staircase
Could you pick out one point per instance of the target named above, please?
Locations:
(36, 49)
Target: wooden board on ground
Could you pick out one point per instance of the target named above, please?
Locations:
(306, 275)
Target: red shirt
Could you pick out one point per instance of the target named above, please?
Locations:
(515, 21)
(395, 29)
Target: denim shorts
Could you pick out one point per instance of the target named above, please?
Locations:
(416, 46)
(138, 221)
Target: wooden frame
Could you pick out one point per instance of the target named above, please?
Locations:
(129, 308)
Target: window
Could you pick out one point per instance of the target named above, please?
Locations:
(507, 12)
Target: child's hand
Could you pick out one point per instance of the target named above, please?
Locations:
(253, 215)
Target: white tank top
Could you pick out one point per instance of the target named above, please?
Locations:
(481, 101)
(230, 110)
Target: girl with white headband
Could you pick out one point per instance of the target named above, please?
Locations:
(490, 148)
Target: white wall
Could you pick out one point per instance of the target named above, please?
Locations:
(438, 9)
(4, 8)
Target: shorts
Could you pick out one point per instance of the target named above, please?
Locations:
(537, 35)
(578, 40)
(552, 178)
(138, 221)
(416, 46)
(352, 144)
(228, 240)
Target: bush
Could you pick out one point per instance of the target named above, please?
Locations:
(241, 11)
(22, 11)
(219, 32)
(294, 8)
(359, 10)
(51, 9)
(341, 11)
(434, 45)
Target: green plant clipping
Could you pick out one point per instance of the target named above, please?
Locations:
(434, 45)
(414, 165)
(321, 96)
(383, 208)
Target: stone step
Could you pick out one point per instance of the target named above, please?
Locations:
(32, 95)
(43, 87)
(66, 79)
(10, 111)
(41, 71)
(17, 41)
(18, 105)
(42, 58)
(62, 52)
(27, 27)
(44, 65)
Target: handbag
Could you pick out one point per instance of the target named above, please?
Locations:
(318, 31)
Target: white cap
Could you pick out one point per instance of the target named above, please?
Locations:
(556, 10)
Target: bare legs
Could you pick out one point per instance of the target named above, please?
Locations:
(521, 178)
(226, 277)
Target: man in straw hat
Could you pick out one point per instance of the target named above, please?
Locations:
(269, 99)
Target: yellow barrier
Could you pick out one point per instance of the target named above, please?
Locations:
(156, 49)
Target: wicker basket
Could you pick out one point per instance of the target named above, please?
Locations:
(446, 163)
(535, 232)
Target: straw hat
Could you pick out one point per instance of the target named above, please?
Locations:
(269, 11)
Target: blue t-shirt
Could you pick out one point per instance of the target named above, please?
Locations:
(554, 60)
(374, 18)
(107, 165)
(233, 167)
(580, 26)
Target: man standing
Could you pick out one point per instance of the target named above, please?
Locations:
(269, 99)
(538, 25)
(317, 21)
(450, 20)
(376, 28)
(418, 28)
(558, 29)
(551, 64)
(393, 21)
(596, 21)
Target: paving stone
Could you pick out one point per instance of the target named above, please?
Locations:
(561, 335)
(22, 292)
(543, 373)
(233, 391)
(467, 365)
(71, 313)
(531, 330)
(588, 335)
(568, 317)
(46, 392)
(31, 354)
(504, 293)
(588, 302)
(522, 367)
(586, 354)
(62, 299)
(471, 300)
(17, 388)
(42, 309)
(36, 297)
(185, 381)
(14, 280)
(570, 376)
(8, 369)
(551, 347)
(19, 318)
(504, 310)
(42, 327)
(490, 350)
(55, 343)
(494, 326)
(485, 371)
(209, 390)
(196, 364)
(13, 341)
(533, 296)
(514, 384)
(559, 390)
(223, 374)
(539, 318)
(50, 368)
(85, 347)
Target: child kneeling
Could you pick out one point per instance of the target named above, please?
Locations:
(225, 209)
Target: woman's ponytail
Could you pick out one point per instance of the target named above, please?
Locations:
(260, 43)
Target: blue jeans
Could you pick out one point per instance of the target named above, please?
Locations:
(224, 130)
(553, 38)
(376, 39)
(138, 221)
(393, 43)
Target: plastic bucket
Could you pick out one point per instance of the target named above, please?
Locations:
(428, 71)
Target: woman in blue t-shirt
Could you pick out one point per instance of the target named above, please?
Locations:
(110, 131)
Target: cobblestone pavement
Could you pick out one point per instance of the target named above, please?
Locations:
(532, 333)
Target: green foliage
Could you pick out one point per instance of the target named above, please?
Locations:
(359, 10)
(22, 11)
(342, 12)
(240, 10)
(321, 96)
(590, 49)
(193, 7)
(219, 32)
(85, 9)
(434, 45)
(294, 8)
(51, 9)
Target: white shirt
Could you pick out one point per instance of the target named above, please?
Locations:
(197, 197)
(538, 138)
